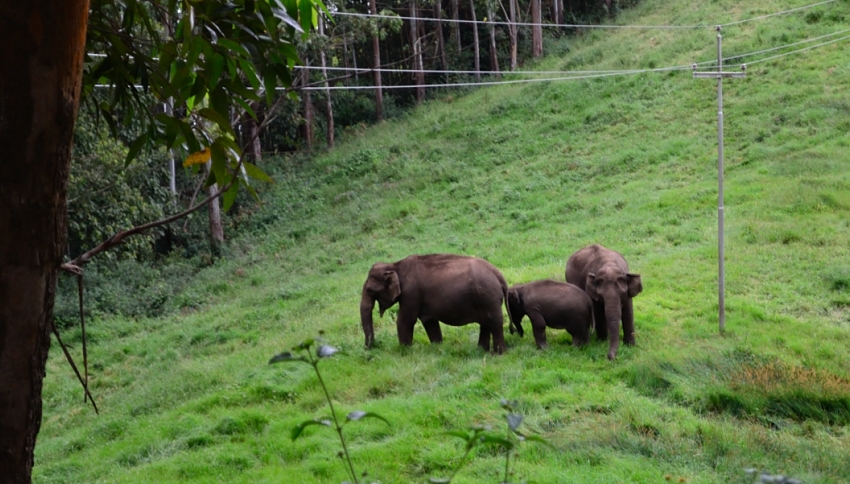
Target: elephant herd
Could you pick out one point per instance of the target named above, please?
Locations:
(458, 290)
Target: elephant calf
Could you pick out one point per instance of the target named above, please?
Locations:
(554, 304)
(453, 289)
(604, 275)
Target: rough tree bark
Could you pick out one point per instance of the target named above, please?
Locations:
(537, 29)
(494, 55)
(455, 33)
(214, 213)
(41, 59)
(512, 32)
(308, 107)
(376, 63)
(476, 51)
(416, 42)
(329, 107)
(441, 41)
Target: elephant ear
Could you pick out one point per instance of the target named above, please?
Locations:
(635, 286)
(590, 286)
(392, 285)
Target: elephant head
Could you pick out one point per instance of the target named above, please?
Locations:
(615, 287)
(381, 285)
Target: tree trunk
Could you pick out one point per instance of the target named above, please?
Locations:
(41, 61)
(254, 133)
(512, 31)
(494, 55)
(441, 41)
(329, 108)
(172, 173)
(476, 52)
(537, 29)
(214, 212)
(308, 107)
(455, 34)
(415, 41)
(376, 63)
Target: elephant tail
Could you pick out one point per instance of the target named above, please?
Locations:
(513, 328)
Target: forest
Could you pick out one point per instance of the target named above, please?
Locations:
(226, 201)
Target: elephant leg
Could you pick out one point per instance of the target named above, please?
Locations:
(628, 322)
(538, 327)
(599, 318)
(432, 327)
(498, 332)
(484, 337)
(404, 325)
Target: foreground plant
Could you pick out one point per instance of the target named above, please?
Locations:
(477, 435)
(312, 357)
(763, 476)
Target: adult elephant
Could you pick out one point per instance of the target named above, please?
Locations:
(453, 289)
(604, 275)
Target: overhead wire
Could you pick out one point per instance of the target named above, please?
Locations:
(582, 26)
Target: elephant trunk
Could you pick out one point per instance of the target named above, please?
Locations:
(367, 304)
(613, 315)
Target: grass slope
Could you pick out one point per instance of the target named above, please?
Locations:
(522, 175)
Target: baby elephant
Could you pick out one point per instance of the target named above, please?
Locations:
(554, 304)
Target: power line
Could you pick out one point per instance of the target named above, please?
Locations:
(799, 50)
(583, 26)
(772, 49)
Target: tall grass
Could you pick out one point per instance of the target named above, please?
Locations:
(523, 176)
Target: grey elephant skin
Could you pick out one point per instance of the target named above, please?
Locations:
(555, 304)
(604, 275)
(453, 289)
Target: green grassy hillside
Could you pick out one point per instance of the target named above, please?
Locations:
(522, 175)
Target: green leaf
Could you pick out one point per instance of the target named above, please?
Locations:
(250, 73)
(229, 196)
(214, 67)
(536, 438)
(219, 164)
(296, 431)
(218, 119)
(305, 8)
(287, 357)
(256, 173)
(500, 441)
(360, 414)
(234, 47)
(135, 148)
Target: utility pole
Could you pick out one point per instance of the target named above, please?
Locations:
(721, 263)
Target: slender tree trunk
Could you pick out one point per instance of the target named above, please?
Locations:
(476, 51)
(214, 213)
(308, 107)
(354, 59)
(41, 62)
(329, 108)
(512, 31)
(537, 29)
(415, 41)
(254, 132)
(172, 173)
(494, 55)
(441, 41)
(455, 34)
(376, 63)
